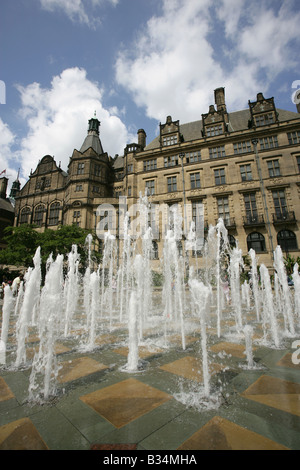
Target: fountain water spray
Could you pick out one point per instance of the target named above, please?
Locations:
(236, 262)
(296, 280)
(269, 315)
(248, 332)
(6, 312)
(133, 347)
(286, 295)
(51, 309)
(200, 294)
(71, 289)
(254, 282)
(31, 298)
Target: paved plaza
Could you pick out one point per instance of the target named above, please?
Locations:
(99, 405)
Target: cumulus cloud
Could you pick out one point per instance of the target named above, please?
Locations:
(7, 155)
(181, 56)
(77, 10)
(57, 119)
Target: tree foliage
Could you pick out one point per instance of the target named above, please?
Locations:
(23, 241)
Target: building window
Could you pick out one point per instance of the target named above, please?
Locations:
(129, 191)
(217, 152)
(298, 163)
(130, 168)
(242, 147)
(172, 184)
(54, 213)
(39, 215)
(97, 170)
(256, 241)
(193, 157)
(214, 130)
(150, 187)
(250, 206)
(96, 189)
(25, 213)
(273, 167)
(150, 164)
(154, 251)
(195, 180)
(280, 204)
(197, 213)
(76, 218)
(264, 119)
(78, 187)
(268, 142)
(294, 137)
(169, 140)
(223, 209)
(246, 173)
(80, 168)
(287, 240)
(220, 176)
(171, 161)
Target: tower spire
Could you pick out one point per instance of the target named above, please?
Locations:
(94, 125)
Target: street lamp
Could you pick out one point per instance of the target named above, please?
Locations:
(255, 142)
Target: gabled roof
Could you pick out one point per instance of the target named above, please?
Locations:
(238, 121)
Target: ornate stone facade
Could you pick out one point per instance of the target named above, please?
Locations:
(242, 166)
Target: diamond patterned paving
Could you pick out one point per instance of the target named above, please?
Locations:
(221, 434)
(21, 435)
(236, 350)
(277, 393)
(190, 368)
(286, 361)
(5, 391)
(125, 401)
(77, 368)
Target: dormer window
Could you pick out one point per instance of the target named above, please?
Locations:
(170, 140)
(264, 119)
(169, 132)
(212, 131)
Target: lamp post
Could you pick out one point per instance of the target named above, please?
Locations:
(255, 142)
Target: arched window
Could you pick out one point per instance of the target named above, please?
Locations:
(154, 251)
(39, 214)
(287, 240)
(54, 213)
(256, 241)
(25, 213)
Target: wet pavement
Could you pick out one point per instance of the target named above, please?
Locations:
(100, 405)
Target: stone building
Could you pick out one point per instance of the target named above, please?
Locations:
(242, 166)
(6, 211)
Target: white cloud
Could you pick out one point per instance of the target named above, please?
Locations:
(57, 119)
(181, 56)
(7, 156)
(78, 10)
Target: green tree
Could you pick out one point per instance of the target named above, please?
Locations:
(23, 241)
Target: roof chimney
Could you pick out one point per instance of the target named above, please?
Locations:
(141, 138)
(220, 99)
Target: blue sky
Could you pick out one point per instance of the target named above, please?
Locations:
(134, 62)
